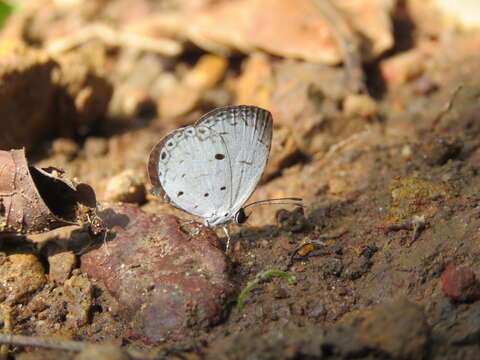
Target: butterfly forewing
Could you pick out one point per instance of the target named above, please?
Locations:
(247, 133)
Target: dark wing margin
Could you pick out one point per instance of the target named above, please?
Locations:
(153, 168)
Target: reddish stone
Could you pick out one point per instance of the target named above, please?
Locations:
(168, 278)
(460, 283)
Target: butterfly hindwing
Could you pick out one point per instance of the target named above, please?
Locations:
(188, 160)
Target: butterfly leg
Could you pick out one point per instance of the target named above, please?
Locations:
(225, 230)
(189, 222)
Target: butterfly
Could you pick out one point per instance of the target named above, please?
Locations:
(210, 169)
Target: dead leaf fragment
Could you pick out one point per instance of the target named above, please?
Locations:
(37, 200)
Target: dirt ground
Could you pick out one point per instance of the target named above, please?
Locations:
(380, 263)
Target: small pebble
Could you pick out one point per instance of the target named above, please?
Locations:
(103, 352)
(359, 105)
(64, 146)
(127, 186)
(317, 311)
(278, 292)
(424, 86)
(208, 71)
(95, 146)
(293, 221)
(439, 150)
(61, 266)
(404, 67)
(459, 283)
(130, 102)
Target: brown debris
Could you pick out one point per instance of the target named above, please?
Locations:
(20, 72)
(72, 100)
(87, 91)
(37, 200)
(251, 25)
(221, 27)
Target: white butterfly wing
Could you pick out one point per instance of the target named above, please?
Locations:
(247, 134)
(210, 169)
(188, 168)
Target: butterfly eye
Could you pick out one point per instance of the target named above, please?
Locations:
(190, 131)
(164, 155)
(240, 216)
(170, 144)
(219, 156)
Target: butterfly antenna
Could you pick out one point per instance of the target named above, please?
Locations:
(280, 201)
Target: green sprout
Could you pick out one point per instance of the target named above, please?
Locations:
(261, 278)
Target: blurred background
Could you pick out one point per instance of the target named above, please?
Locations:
(91, 85)
(376, 126)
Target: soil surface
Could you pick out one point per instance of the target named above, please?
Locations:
(382, 260)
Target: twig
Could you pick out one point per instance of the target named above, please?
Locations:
(418, 224)
(56, 344)
(260, 278)
(447, 107)
(348, 43)
(334, 148)
(113, 37)
(43, 342)
(7, 327)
